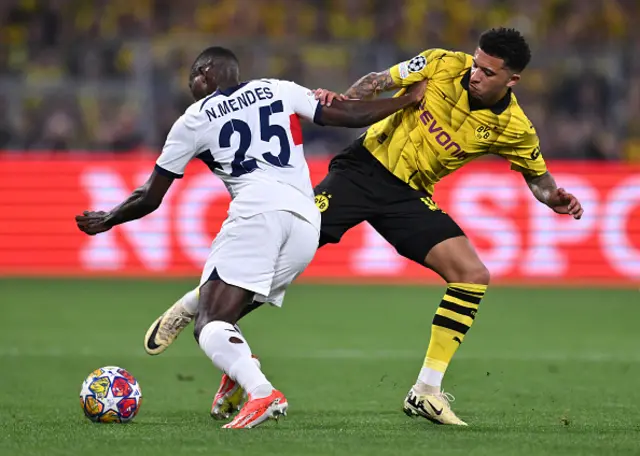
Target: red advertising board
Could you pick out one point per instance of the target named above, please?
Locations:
(520, 240)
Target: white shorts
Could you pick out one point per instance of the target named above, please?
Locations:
(263, 253)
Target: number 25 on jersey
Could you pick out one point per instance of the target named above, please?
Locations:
(242, 165)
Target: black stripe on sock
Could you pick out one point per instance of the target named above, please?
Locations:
(457, 308)
(463, 296)
(448, 323)
(479, 294)
(469, 292)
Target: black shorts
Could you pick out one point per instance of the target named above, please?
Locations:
(359, 188)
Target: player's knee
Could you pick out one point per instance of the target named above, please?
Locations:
(476, 273)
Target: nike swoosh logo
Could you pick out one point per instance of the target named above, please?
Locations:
(435, 410)
(151, 342)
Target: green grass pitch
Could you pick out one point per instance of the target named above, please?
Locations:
(543, 372)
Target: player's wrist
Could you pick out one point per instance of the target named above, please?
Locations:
(553, 199)
(110, 220)
(555, 206)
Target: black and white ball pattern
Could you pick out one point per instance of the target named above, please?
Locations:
(417, 63)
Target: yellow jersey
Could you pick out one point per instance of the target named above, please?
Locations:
(422, 145)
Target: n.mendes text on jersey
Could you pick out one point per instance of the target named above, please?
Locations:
(238, 103)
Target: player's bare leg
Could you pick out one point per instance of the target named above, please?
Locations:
(167, 327)
(221, 305)
(165, 330)
(457, 262)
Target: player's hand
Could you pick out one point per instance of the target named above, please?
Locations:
(416, 91)
(92, 222)
(564, 202)
(327, 96)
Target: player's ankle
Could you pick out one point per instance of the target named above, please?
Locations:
(430, 377)
(190, 301)
(423, 388)
(261, 391)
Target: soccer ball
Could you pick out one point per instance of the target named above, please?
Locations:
(110, 395)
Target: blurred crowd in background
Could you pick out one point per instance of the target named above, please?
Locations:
(111, 75)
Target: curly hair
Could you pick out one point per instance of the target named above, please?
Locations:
(507, 44)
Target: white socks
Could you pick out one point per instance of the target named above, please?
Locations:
(430, 377)
(230, 353)
(190, 301)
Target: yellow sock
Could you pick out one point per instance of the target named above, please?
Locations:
(453, 319)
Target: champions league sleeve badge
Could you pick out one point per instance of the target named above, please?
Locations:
(417, 63)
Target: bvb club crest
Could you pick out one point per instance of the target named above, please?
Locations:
(483, 132)
(322, 201)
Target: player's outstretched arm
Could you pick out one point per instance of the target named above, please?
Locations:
(546, 191)
(365, 88)
(371, 85)
(357, 114)
(143, 201)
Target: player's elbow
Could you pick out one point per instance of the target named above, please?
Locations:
(149, 203)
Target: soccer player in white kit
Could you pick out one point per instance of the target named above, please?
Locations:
(248, 134)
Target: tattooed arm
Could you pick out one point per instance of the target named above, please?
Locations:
(361, 113)
(365, 88)
(546, 191)
(403, 74)
(371, 85)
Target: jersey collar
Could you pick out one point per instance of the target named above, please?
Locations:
(229, 90)
(497, 108)
(226, 92)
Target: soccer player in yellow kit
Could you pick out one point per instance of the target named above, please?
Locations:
(387, 178)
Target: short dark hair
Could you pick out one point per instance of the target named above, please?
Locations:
(209, 55)
(507, 44)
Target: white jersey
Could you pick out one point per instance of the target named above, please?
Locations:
(250, 137)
